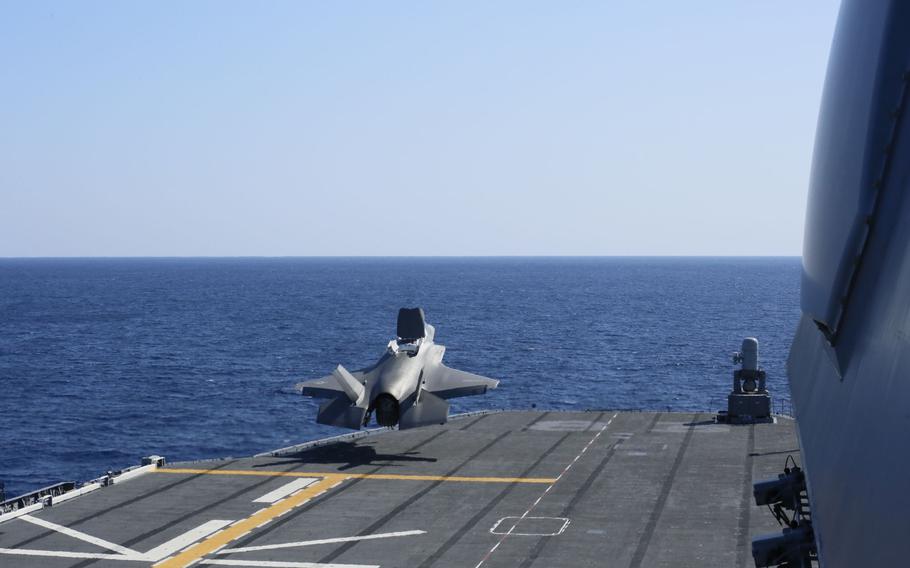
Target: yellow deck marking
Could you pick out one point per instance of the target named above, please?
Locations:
(338, 476)
(257, 519)
(326, 482)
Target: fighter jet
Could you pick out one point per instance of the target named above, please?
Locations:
(408, 386)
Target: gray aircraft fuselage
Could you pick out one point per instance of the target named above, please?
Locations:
(407, 387)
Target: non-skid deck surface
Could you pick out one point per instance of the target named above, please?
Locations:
(516, 489)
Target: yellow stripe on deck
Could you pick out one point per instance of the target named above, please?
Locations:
(388, 476)
(241, 528)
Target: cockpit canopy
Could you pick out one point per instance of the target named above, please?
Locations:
(411, 325)
(412, 331)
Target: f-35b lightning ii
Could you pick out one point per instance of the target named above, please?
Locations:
(408, 386)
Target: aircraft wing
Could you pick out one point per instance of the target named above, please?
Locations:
(446, 382)
(325, 387)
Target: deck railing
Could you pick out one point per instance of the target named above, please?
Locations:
(36, 496)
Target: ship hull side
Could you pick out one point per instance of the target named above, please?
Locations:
(849, 366)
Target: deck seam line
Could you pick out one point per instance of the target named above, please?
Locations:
(311, 504)
(205, 547)
(742, 538)
(328, 558)
(148, 534)
(535, 421)
(113, 508)
(430, 560)
(473, 422)
(582, 490)
(547, 490)
(653, 422)
(645, 540)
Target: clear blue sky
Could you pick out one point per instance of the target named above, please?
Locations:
(408, 128)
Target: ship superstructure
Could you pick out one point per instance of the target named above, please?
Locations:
(849, 362)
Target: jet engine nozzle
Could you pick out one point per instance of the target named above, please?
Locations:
(387, 411)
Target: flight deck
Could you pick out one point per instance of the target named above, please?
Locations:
(516, 489)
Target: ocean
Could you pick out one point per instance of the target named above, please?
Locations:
(103, 361)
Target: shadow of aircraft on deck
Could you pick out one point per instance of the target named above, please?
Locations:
(348, 455)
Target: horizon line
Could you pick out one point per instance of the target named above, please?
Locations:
(452, 256)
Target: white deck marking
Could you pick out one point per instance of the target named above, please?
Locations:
(285, 490)
(562, 523)
(322, 541)
(275, 564)
(81, 536)
(179, 543)
(545, 491)
(563, 425)
(19, 512)
(65, 554)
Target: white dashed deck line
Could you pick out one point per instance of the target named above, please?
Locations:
(285, 490)
(177, 544)
(321, 541)
(545, 491)
(81, 536)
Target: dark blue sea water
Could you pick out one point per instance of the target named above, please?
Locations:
(106, 360)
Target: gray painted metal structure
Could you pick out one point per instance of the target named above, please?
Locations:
(407, 387)
(749, 401)
(508, 489)
(849, 360)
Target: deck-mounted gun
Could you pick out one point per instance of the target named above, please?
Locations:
(749, 402)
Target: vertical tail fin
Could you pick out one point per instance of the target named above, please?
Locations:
(349, 384)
